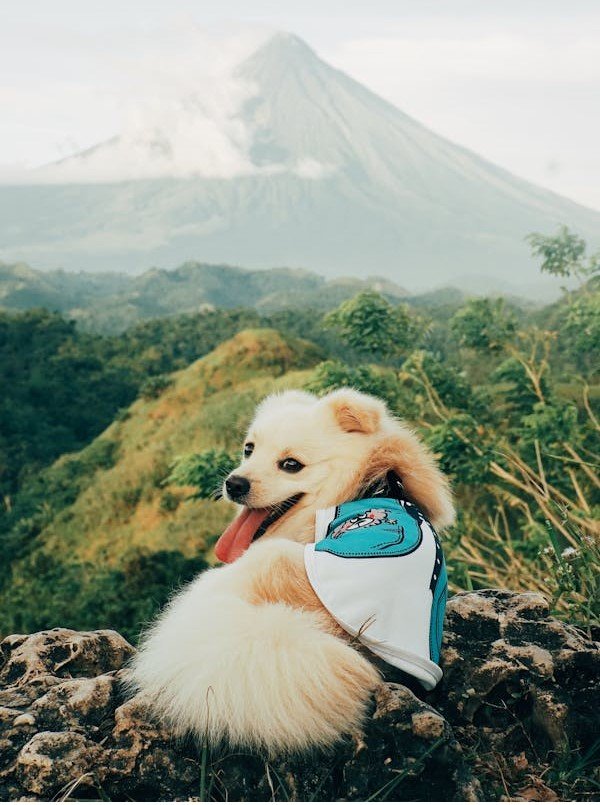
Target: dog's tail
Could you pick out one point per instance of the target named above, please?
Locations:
(266, 676)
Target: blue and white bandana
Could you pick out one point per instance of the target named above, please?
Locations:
(378, 568)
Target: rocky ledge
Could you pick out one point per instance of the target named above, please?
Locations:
(516, 717)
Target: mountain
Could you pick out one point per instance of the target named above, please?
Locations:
(110, 302)
(309, 169)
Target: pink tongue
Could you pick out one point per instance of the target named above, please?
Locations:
(238, 535)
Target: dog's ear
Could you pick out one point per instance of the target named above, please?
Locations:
(355, 412)
(402, 451)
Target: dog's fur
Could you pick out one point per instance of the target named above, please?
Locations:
(246, 652)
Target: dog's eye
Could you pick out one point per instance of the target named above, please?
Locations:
(248, 449)
(290, 465)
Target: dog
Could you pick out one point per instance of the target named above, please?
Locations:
(247, 653)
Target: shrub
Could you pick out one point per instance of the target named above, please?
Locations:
(169, 502)
(153, 387)
(383, 383)
(205, 471)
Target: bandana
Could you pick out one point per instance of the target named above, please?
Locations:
(378, 568)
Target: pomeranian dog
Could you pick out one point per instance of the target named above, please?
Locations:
(247, 653)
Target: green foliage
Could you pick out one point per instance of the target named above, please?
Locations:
(383, 383)
(563, 254)
(370, 324)
(580, 332)
(80, 596)
(449, 380)
(59, 390)
(574, 571)
(462, 453)
(47, 494)
(169, 502)
(484, 324)
(154, 386)
(550, 425)
(62, 387)
(161, 345)
(112, 302)
(204, 471)
(506, 400)
(519, 392)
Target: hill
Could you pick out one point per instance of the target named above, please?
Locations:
(111, 302)
(102, 510)
(323, 174)
(101, 537)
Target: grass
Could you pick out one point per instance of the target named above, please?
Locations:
(382, 793)
(203, 770)
(574, 774)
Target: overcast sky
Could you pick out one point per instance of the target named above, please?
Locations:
(517, 81)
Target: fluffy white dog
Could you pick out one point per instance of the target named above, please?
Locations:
(247, 652)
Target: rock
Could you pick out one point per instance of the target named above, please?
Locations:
(61, 652)
(519, 696)
(56, 761)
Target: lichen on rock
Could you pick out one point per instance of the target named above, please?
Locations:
(518, 698)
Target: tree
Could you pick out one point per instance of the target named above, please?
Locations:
(205, 471)
(370, 324)
(382, 382)
(580, 331)
(484, 324)
(564, 254)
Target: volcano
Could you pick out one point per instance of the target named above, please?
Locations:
(310, 168)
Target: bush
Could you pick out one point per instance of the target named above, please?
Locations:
(484, 324)
(383, 383)
(204, 471)
(50, 593)
(370, 324)
(154, 387)
(169, 502)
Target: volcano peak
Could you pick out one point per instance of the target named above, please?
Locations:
(290, 162)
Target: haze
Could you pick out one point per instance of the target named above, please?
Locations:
(518, 83)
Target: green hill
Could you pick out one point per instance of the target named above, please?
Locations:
(110, 303)
(89, 520)
(99, 539)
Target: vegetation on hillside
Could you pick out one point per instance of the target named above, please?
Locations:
(110, 303)
(506, 397)
(62, 387)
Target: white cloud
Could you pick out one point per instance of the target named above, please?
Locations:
(200, 134)
(309, 168)
(179, 113)
(177, 110)
(517, 82)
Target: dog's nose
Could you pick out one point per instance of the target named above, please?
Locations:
(237, 486)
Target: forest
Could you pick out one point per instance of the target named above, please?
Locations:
(111, 446)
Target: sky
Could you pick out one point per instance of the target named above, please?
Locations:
(516, 81)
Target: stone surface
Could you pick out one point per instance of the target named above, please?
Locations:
(514, 718)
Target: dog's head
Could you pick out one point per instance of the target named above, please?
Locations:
(302, 453)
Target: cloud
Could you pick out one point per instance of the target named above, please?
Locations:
(309, 168)
(180, 108)
(181, 114)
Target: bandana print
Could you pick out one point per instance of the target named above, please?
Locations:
(367, 528)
